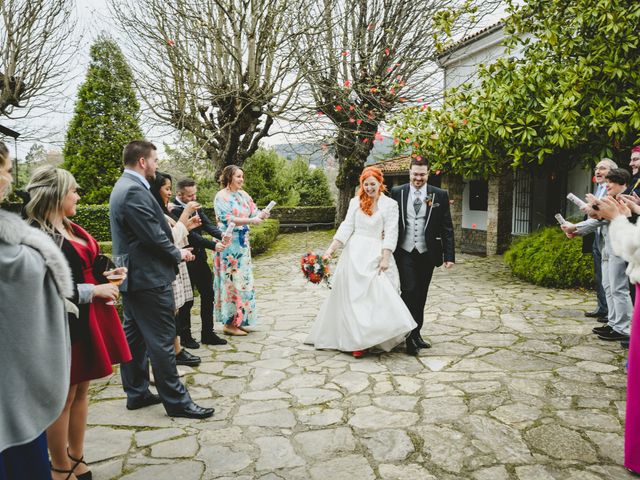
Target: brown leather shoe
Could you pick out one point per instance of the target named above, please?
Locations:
(232, 330)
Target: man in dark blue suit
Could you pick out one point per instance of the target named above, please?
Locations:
(199, 270)
(425, 241)
(141, 233)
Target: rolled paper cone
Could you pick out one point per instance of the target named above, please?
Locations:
(579, 203)
(229, 229)
(270, 206)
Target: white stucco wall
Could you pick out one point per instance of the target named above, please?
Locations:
(471, 217)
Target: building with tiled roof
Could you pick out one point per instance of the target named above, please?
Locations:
(488, 212)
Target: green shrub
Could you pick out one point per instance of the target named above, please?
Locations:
(105, 248)
(310, 184)
(95, 220)
(548, 258)
(263, 235)
(267, 178)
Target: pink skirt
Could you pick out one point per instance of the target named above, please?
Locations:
(632, 421)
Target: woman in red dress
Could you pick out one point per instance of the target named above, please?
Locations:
(97, 338)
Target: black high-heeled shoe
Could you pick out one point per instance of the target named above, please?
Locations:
(83, 476)
(59, 470)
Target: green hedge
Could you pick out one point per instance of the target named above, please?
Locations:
(304, 214)
(263, 235)
(95, 218)
(548, 258)
(260, 237)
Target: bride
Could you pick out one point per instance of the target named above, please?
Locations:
(364, 308)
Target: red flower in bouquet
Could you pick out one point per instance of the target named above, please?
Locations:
(315, 268)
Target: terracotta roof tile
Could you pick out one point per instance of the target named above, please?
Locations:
(394, 165)
(471, 38)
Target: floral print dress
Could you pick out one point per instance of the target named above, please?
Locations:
(235, 298)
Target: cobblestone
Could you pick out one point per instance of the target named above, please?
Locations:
(515, 387)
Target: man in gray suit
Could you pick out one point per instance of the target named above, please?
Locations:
(140, 231)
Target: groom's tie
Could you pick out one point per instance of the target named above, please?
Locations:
(417, 203)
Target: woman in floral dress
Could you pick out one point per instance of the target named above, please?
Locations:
(235, 298)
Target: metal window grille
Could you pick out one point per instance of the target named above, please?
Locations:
(522, 203)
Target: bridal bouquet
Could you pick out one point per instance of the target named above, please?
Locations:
(315, 268)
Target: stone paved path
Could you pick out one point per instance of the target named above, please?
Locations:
(515, 387)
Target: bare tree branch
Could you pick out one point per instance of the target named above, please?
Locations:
(364, 59)
(36, 44)
(219, 69)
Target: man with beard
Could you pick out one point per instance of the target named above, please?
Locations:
(634, 163)
(425, 241)
(141, 234)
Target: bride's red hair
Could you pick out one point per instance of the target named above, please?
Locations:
(366, 202)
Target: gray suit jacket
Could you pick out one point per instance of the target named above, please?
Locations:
(139, 229)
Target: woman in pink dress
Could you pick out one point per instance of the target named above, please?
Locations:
(625, 240)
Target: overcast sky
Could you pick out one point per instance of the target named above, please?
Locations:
(93, 19)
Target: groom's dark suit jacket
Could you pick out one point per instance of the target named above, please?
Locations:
(439, 227)
(139, 229)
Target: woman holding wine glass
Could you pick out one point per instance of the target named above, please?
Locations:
(97, 338)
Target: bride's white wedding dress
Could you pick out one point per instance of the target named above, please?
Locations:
(364, 308)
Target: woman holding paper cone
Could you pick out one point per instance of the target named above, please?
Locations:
(235, 299)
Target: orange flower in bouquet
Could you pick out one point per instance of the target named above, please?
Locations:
(315, 267)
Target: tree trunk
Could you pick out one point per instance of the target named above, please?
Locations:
(345, 194)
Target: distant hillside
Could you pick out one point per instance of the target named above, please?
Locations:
(319, 158)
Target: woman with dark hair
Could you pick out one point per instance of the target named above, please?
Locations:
(235, 298)
(364, 308)
(32, 396)
(97, 337)
(161, 189)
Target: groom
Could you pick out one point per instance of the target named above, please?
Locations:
(425, 241)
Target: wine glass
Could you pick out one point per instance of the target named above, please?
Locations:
(118, 274)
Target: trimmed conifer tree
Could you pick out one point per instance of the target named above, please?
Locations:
(105, 120)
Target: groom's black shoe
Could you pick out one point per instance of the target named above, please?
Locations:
(412, 346)
(421, 343)
(192, 411)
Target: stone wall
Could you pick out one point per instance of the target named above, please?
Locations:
(453, 184)
(473, 241)
(499, 213)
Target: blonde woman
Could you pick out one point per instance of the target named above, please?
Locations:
(97, 338)
(34, 340)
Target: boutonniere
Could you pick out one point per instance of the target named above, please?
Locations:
(429, 201)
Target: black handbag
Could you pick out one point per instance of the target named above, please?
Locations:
(101, 264)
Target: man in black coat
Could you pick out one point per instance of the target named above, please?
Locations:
(139, 231)
(425, 241)
(199, 271)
